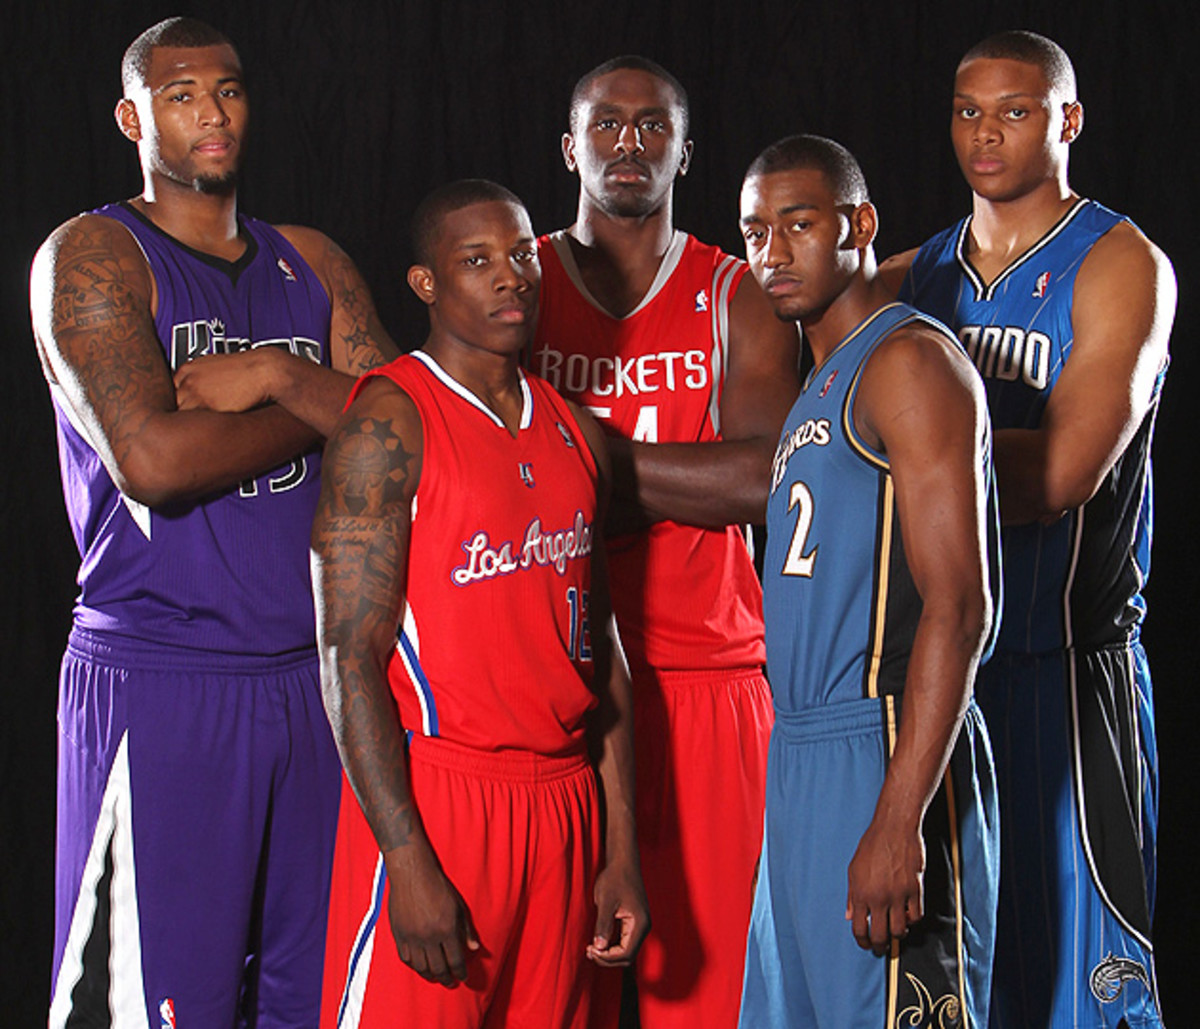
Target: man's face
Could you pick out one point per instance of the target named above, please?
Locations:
(190, 117)
(485, 277)
(800, 241)
(626, 143)
(1010, 132)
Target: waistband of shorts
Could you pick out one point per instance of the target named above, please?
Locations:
(130, 652)
(683, 678)
(521, 766)
(843, 718)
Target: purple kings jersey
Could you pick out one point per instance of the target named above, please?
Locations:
(229, 574)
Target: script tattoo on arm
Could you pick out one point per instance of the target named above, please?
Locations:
(360, 556)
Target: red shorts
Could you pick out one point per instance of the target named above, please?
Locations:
(518, 836)
(700, 740)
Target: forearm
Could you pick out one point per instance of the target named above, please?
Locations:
(180, 456)
(314, 394)
(938, 687)
(610, 733)
(707, 484)
(1035, 486)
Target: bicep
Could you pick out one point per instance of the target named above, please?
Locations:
(929, 411)
(89, 295)
(762, 380)
(358, 340)
(361, 530)
(1123, 306)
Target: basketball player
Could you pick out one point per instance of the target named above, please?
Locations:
(481, 630)
(1066, 309)
(675, 350)
(198, 782)
(876, 592)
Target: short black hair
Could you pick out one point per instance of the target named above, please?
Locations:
(1030, 48)
(831, 159)
(431, 212)
(637, 63)
(181, 32)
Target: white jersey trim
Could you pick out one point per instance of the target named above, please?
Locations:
(670, 261)
(988, 292)
(455, 386)
(114, 827)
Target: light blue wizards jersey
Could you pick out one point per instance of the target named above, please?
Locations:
(839, 601)
(1078, 581)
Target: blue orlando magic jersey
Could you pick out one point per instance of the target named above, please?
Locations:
(229, 574)
(1076, 582)
(840, 606)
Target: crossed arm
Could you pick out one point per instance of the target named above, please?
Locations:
(360, 552)
(1122, 309)
(358, 342)
(1123, 306)
(724, 482)
(91, 299)
(922, 402)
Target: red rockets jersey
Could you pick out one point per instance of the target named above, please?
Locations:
(494, 650)
(685, 597)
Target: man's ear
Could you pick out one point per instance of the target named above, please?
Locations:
(420, 281)
(127, 119)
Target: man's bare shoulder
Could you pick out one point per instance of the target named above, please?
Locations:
(893, 270)
(90, 236)
(1123, 251)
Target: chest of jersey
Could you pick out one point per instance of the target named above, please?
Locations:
(655, 374)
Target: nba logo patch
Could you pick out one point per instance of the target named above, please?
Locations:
(526, 470)
(701, 301)
(1043, 281)
(565, 435)
(166, 1011)
(286, 269)
(828, 383)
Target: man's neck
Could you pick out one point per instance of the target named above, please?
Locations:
(619, 258)
(203, 221)
(1001, 231)
(491, 377)
(825, 331)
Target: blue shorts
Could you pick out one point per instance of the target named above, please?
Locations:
(196, 815)
(803, 965)
(1077, 773)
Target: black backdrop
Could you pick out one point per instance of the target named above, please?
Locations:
(359, 108)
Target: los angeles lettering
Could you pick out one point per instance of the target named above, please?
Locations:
(538, 548)
(616, 376)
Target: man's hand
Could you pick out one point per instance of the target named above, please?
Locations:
(430, 922)
(886, 893)
(622, 917)
(228, 382)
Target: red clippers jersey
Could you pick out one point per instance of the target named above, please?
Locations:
(685, 597)
(494, 650)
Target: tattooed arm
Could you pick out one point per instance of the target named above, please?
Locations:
(90, 297)
(358, 342)
(359, 558)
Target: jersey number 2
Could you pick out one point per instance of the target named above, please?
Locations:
(798, 562)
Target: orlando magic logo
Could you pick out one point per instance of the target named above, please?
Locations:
(1109, 977)
(526, 470)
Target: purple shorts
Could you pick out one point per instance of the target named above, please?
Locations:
(196, 813)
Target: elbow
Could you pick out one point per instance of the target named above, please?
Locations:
(145, 474)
